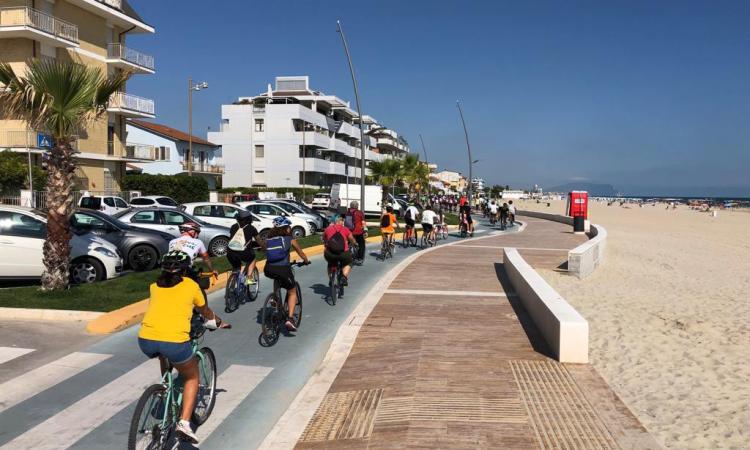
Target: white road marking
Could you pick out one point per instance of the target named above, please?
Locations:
(451, 293)
(9, 353)
(77, 420)
(21, 388)
(237, 382)
(517, 248)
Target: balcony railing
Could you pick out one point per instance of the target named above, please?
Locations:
(140, 151)
(121, 100)
(205, 167)
(119, 51)
(29, 17)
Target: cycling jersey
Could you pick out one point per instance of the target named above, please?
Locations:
(192, 246)
(411, 213)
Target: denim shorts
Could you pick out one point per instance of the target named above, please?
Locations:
(176, 353)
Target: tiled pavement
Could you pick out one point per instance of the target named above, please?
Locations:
(465, 368)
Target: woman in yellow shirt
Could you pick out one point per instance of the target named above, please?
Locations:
(165, 330)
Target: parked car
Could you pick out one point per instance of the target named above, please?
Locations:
(22, 234)
(108, 204)
(314, 218)
(223, 214)
(141, 249)
(300, 226)
(321, 201)
(153, 201)
(214, 237)
(244, 197)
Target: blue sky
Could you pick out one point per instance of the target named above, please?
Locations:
(651, 97)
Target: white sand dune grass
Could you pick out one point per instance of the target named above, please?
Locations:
(669, 317)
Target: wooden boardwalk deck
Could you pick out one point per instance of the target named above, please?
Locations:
(464, 367)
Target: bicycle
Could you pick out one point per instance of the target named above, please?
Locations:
(441, 231)
(428, 239)
(387, 248)
(238, 292)
(463, 228)
(158, 409)
(409, 238)
(275, 311)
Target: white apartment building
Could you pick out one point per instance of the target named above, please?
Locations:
(167, 148)
(292, 135)
(478, 184)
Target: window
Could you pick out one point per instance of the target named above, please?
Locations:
(145, 217)
(81, 220)
(260, 151)
(166, 201)
(120, 203)
(203, 211)
(109, 181)
(91, 202)
(140, 201)
(162, 154)
(109, 201)
(21, 225)
(174, 218)
(228, 211)
(259, 125)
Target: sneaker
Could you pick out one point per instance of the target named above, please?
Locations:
(290, 326)
(249, 281)
(185, 432)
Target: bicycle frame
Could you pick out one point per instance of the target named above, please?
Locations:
(174, 396)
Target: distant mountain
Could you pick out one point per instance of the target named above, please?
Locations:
(594, 189)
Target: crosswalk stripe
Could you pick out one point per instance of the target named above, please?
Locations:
(21, 388)
(74, 422)
(236, 383)
(9, 353)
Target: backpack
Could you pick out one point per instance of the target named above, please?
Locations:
(276, 249)
(237, 243)
(349, 221)
(336, 243)
(385, 221)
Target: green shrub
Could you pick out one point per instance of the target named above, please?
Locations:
(14, 174)
(182, 188)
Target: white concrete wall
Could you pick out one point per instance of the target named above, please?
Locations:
(137, 135)
(564, 329)
(236, 144)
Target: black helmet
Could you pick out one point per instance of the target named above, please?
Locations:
(190, 226)
(244, 214)
(175, 261)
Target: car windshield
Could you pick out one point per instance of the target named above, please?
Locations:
(287, 207)
(141, 201)
(166, 201)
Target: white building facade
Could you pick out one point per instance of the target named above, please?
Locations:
(163, 151)
(292, 136)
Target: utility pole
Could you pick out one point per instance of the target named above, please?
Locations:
(468, 148)
(359, 110)
(304, 157)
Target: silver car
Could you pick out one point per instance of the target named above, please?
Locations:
(214, 237)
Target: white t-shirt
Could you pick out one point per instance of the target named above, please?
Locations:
(512, 209)
(193, 247)
(428, 216)
(412, 212)
(493, 208)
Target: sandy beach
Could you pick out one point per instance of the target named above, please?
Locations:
(669, 316)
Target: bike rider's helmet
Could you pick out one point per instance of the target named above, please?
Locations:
(281, 221)
(190, 226)
(244, 216)
(175, 261)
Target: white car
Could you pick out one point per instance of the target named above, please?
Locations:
(108, 204)
(321, 201)
(316, 219)
(224, 214)
(153, 201)
(300, 227)
(22, 234)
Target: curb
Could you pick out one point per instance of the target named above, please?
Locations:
(61, 315)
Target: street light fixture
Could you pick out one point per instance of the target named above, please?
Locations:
(192, 87)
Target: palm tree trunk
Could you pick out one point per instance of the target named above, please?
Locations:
(56, 248)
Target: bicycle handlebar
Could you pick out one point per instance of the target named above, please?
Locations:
(300, 263)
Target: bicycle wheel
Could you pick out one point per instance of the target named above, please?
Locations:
(333, 288)
(297, 315)
(413, 239)
(207, 385)
(231, 302)
(149, 428)
(253, 290)
(271, 321)
(405, 240)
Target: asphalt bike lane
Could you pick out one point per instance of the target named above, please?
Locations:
(91, 407)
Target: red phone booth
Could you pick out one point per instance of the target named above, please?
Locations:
(578, 209)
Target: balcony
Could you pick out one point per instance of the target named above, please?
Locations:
(204, 167)
(143, 152)
(131, 106)
(112, 11)
(128, 59)
(29, 23)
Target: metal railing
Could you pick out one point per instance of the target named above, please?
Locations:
(30, 17)
(119, 51)
(140, 151)
(205, 167)
(132, 103)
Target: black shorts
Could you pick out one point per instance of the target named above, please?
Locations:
(344, 258)
(283, 274)
(427, 227)
(237, 258)
(468, 220)
(409, 222)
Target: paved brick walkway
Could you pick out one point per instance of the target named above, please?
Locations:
(448, 359)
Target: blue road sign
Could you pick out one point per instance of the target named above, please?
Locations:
(43, 140)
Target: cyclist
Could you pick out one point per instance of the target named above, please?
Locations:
(428, 221)
(278, 267)
(466, 215)
(493, 209)
(189, 243)
(355, 222)
(240, 248)
(387, 222)
(165, 329)
(410, 218)
(336, 239)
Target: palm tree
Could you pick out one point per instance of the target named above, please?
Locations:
(58, 98)
(387, 173)
(414, 173)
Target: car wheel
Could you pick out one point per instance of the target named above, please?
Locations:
(218, 246)
(86, 270)
(298, 232)
(142, 257)
(263, 236)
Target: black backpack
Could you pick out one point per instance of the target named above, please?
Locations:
(336, 244)
(385, 221)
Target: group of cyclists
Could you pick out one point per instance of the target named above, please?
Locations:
(505, 213)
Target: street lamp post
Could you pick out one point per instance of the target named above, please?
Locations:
(304, 158)
(192, 87)
(359, 109)
(423, 148)
(468, 147)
